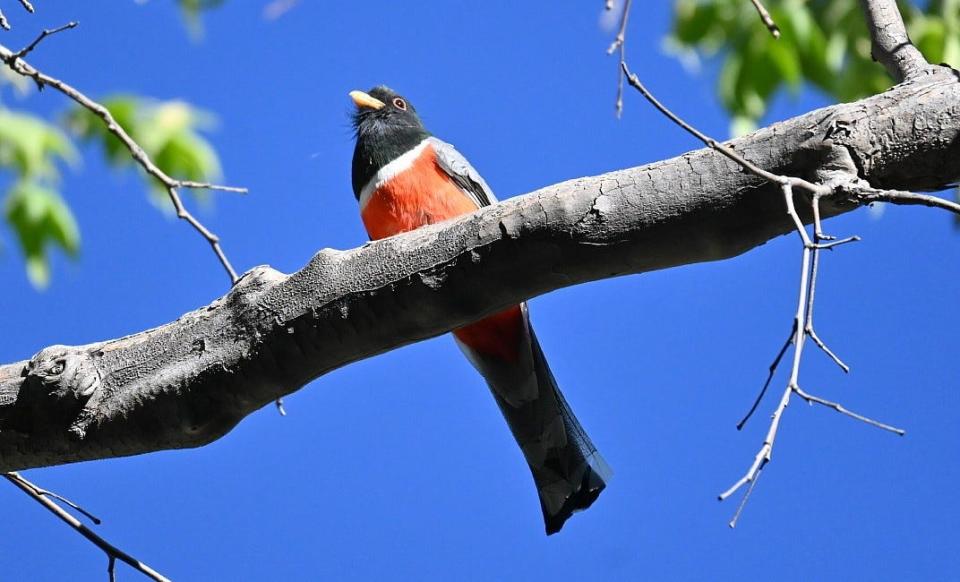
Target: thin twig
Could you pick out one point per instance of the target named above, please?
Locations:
(172, 185)
(817, 247)
(764, 454)
(46, 32)
(767, 20)
(808, 328)
(801, 324)
(3, 19)
(803, 318)
(811, 399)
(620, 43)
(113, 553)
(771, 371)
(766, 450)
(634, 81)
(866, 195)
(743, 502)
(61, 499)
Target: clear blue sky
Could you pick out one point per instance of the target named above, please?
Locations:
(400, 467)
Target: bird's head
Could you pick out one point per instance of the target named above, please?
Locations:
(386, 126)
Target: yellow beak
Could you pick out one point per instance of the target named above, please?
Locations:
(361, 100)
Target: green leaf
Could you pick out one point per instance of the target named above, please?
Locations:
(191, 10)
(167, 131)
(32, 146)
(40, 219)
(693, 21)
(824, 43)
(785, 59)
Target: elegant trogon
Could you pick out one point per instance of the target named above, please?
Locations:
(405, 178)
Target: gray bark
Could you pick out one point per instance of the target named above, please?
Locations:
(189, 382)
(890, 45)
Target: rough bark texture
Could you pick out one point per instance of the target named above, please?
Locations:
(190, 381)
(890, 44)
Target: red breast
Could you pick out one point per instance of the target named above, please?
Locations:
(413, 196)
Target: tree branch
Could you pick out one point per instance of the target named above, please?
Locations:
(113, 553)
(189, 382)
(891, 46)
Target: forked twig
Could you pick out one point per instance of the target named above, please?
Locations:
(771, 371)
(113, 553)
(801, 324)
(803, 318)
(44, 34)
(619, 42)
(811, 399)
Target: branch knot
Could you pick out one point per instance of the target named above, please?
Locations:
(57, 382)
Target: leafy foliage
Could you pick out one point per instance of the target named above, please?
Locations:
(167, 131)
(824, 43)
(39, 217)
(32, 151)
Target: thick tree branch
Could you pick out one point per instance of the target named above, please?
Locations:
(190, 381)
(891, 46)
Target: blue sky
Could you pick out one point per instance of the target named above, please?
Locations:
(400, 467)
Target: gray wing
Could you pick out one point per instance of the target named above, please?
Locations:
(460, 170)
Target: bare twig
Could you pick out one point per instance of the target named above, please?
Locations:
(634, 81)
(3, 19)
(811, 399)
(771, 371)
(620, 43)
(802, 328)
(803, 317)
(817, 237)
(172, 185)
(743, 502)
(766, 450)
(767, 21)
(113, 553)
(866, 195)
(46, 32)
(44, 492)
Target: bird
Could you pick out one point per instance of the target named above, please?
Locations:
(405, 178)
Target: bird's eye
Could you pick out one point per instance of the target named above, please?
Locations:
(400, 104)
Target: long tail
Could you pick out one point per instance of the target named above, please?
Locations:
(568, 471)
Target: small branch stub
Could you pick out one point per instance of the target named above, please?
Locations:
(766, 19)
